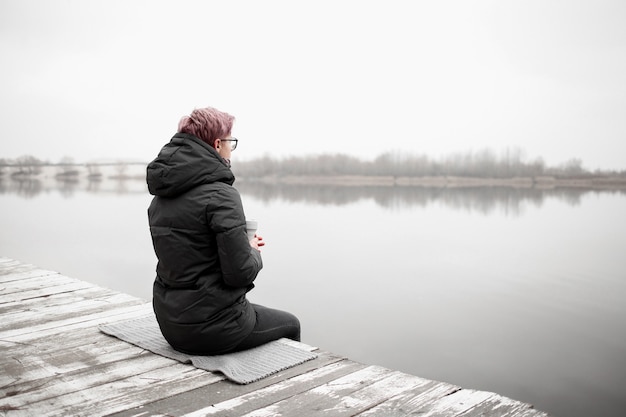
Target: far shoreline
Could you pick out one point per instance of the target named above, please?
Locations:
(137, 172)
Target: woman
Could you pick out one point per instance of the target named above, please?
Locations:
(206, 264)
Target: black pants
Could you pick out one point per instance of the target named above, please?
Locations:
(271, 325)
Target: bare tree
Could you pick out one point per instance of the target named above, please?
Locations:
(93, 171)
(28, 165)
(121, 168)
(66, 167)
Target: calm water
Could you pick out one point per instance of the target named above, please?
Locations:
(520, 292)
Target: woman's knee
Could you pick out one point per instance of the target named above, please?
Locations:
(269, 318)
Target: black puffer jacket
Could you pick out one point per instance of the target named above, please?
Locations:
(205, 262)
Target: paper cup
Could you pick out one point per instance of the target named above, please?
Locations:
(251, 226)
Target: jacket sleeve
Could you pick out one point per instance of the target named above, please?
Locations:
(240, 263)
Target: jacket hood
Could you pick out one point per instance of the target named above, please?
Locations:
(184, 163)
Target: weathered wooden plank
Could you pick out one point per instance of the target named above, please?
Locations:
(17, 369)
(222, 391)
(84, 378)
(270, 394)
(32, 284)
(37, 315)
(33, 281)
(65, 301)
(62, 326)
(460, 402)
(10, 266)
(343, 399)
(27, 278)
(51, 343)
(27, 322)
(35, 387)
(54, 300)
(17, 275)
(305, 402)
(4, 260)
(413, 401)
(499, 406)
(444, 400)
(9, 269)
(44, 291)
(531, 412)
(122, 394)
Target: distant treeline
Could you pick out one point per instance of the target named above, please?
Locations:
(482, 164)
(28, 165)
(511, 163)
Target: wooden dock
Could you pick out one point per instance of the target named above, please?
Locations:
(55, 362)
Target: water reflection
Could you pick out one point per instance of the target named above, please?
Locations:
(485, 200)
(68, 186)
(542, 325)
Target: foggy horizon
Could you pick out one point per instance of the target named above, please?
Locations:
(520, 156)
(102, 80)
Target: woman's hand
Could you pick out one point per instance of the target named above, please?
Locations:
(257, 242)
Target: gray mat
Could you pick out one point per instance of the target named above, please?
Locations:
(241, 367)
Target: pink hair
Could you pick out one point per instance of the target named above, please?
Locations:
(207, 124)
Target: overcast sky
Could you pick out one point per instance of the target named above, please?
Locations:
(111, 79)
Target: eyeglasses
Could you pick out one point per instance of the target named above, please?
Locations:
(233, 143)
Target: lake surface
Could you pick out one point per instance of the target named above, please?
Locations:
(517, 291)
